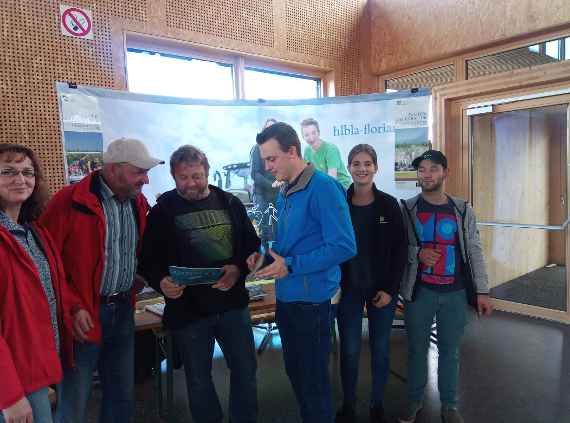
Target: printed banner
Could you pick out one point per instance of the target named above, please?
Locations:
(396, 125)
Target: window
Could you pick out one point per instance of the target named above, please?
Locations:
(178, 76)
(537, 54)
(553, 49)
(170, 68)
(268, 84)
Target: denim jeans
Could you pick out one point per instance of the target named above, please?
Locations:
(41, 408)
(450, 312)
(114, 361)
(306, 339)
(350, 311)
(195, 344)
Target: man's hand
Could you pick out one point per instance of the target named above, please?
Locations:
(429, 256)
(381, 299)
(275, 270)
(484, 306)
(170, 289)
(20, 412)
(229, 278)
(82, 324)
(252, 260)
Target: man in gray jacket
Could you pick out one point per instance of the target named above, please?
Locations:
(445, 273)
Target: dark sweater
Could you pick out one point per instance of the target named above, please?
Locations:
(387, 248)
(164, 245)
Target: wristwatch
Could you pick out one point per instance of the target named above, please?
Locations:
(289, 264)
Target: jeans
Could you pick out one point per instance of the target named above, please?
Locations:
(41, 408)
(114, 361)
(195, 344)
(306, 339)
(350, 311)
(450, 311)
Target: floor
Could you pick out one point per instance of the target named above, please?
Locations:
(514, 370)
(545, 287)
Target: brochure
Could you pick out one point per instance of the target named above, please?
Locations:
(195, 275)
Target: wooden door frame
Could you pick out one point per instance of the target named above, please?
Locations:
(451, 135)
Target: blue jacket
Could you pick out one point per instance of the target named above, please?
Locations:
(314, 235)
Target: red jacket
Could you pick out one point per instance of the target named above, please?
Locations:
(28, 355)
(76, 221)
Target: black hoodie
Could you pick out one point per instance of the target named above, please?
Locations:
(163, 246)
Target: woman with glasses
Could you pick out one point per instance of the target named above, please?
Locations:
(371, 279)
(33, 334)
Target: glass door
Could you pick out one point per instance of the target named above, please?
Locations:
(519, 173)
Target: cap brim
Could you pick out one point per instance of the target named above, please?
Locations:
(147, 164)
(416, 162)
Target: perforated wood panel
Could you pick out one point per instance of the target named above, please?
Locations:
(242, 20)
(130, 9)
(327, 29)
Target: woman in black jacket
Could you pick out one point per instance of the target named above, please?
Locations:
(372, 278)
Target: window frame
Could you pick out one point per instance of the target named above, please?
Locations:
(239, 61)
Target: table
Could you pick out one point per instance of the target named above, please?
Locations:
(262, 312)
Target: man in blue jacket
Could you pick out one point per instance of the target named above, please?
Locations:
(314, 235)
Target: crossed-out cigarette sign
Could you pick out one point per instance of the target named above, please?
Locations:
(76, 22)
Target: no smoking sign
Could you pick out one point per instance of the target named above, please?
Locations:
(76, 22)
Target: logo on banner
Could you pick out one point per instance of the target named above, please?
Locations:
(76, 22)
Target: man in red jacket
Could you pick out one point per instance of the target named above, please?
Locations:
(97, 225)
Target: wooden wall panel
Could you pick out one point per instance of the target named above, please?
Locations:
(242, 20)
(317, 33)
(412, 32)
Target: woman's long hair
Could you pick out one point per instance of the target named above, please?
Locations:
(34, 205)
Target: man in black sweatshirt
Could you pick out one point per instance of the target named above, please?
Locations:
(198, 225)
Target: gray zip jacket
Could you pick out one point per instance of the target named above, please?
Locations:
(469, 242)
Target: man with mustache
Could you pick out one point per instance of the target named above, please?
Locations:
(97, 225)
(199, 225)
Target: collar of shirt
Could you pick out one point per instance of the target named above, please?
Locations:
(294, 182)
(10, 225)
(106, 192)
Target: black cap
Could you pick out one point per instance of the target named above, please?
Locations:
(431, 155)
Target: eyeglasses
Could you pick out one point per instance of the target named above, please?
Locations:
(12, 173)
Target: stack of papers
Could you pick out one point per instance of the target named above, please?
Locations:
(157, 308)
(256, 292)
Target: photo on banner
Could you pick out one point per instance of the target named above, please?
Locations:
(396, 125)
(82, 136)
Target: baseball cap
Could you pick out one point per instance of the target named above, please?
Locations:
(132, 151)
(432, 155)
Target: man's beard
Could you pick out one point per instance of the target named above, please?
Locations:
(195, 194)
(436, 186)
